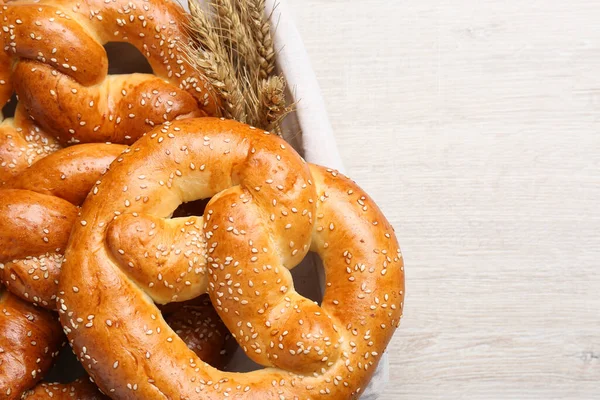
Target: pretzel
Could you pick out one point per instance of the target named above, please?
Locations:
(38, 209)
(30, 339)
(55, 61)
(268, 209)
(22, 143)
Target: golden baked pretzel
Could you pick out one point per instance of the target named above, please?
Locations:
(268, 209)
(38, 209)
(30, 339)
(55, 61)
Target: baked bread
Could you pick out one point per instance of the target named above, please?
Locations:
(30, 339)
(268, 209)
(53, 58)
(38, 209)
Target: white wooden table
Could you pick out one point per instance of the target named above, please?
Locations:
(476, 126)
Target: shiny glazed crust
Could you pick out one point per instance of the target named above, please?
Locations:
(30, 339)
(53, 57)
(38, 209)
(268, 209)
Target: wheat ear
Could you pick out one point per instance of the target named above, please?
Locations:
(210, 56)
(234, 49)
(260, 28)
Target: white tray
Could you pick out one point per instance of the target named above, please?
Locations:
(308, 130)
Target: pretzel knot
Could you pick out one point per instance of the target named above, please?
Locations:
(38, 209)
(54, 59)
(268, 209)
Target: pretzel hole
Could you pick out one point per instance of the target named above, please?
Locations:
(308, 278)
(125, 58)
(195, 207)
(66, 369)
(8, 111)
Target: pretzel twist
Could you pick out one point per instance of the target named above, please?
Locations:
(55, 61)
(268, 209)
(30, 338)
(38, 209)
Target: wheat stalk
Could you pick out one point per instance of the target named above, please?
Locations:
(260, 29)
(224, 80)
(234, 49)
(235, 32)
(202, 29)
(273, 102)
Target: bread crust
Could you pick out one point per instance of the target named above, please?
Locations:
(30, 339)
(53, 58)
(38, 209)
(268, 209)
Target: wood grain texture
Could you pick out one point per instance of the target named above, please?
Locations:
(476, 127)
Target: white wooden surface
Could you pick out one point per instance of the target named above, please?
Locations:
(476, 126)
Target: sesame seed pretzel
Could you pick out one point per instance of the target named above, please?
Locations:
(268, 209)
(55, 61)
(30, 339)
(38, 209)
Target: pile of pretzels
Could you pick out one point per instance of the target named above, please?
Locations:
(95, 251)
